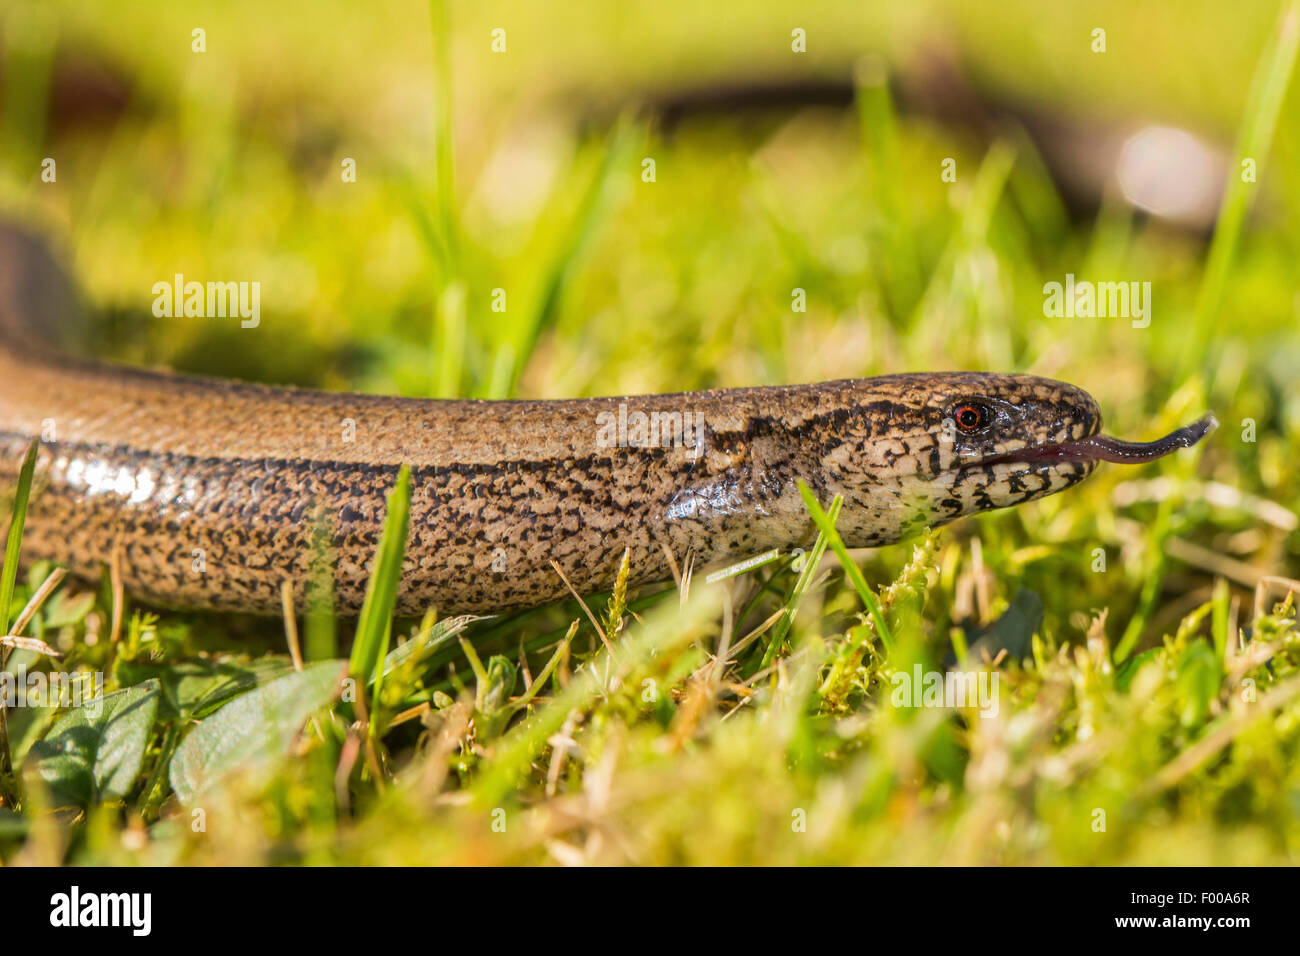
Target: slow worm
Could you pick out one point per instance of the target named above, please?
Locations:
(207, 492)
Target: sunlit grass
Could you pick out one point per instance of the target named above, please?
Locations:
(750, 720)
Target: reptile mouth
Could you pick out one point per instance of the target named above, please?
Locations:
(1096, 448)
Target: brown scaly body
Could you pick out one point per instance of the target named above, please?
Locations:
(207, 489)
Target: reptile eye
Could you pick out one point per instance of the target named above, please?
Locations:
(971, 416)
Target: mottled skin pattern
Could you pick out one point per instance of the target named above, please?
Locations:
(207, 489)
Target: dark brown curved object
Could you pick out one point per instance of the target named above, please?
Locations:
(209, 491)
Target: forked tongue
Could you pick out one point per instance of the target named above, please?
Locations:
(1105, 448)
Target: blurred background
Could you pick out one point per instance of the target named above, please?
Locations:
(522, 170)
(554, 200)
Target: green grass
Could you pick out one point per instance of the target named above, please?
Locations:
(826, 526)
(1263, 106)
(1146, 651)
(375, 624)
(14, 538)
(8, 577)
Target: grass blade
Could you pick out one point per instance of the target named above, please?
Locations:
(449, 336)
(562, 264)
(827, 527)
(811, 561)
(444, 166)
(376, 621)
(972, 232)
(1263, 105)
(879, 124)
(9, 574)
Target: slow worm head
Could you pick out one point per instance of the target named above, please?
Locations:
(209, 491)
